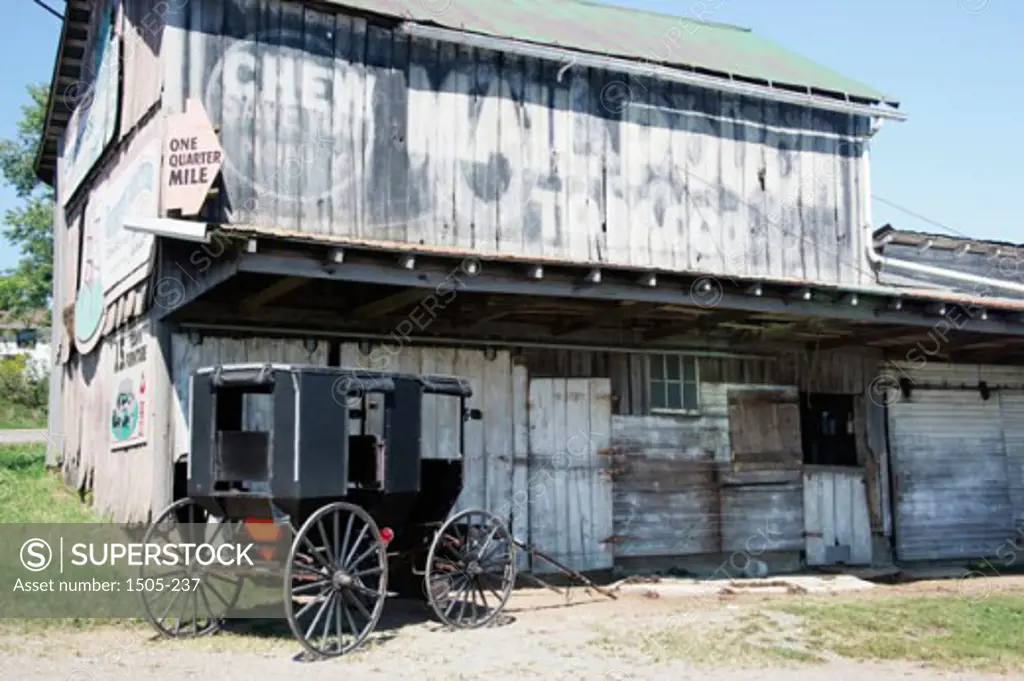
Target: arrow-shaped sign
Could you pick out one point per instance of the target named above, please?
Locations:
(192, 158)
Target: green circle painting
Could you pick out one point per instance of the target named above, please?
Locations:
(125, 417)
(88, 311)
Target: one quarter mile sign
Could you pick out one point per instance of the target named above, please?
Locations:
(192, 159)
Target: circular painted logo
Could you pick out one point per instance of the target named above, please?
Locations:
(315, 133)
(124, 419)
(89, 313)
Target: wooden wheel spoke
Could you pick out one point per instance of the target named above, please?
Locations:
(473, 551)
(302, 588)
(359, 605)
(332, 610)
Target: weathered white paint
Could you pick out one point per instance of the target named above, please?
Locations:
(569, 492)
(130, 192)
(836, 515)
(382, 138)
(670, 496)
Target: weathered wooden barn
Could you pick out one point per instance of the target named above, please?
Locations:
(645, 240)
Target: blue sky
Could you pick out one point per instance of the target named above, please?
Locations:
(955, 65)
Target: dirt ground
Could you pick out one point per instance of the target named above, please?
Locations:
(542, 637)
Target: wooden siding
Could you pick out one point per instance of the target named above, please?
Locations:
(120, 477)
(674, 494)
(340, 128)
(836, 515)
(142, 37)
(488, 443)
(570, 493)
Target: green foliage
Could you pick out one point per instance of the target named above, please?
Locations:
(20, 388)
(29, 226)
(31, 494)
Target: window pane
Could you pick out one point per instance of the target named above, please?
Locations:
(658, 395)
(690, 369)
(674, 396)
(657, 371)
(674, 367)
(690, 400)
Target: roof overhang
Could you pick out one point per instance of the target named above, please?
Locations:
(63, 87)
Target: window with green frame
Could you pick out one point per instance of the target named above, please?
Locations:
(672, 383)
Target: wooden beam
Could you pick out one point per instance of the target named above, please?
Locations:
(278, 289)
(497, 279)
(382, 306)
(705, 322)
(622, 311)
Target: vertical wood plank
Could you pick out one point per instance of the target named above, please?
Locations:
(520, 507)
(598, 438)
(474, 469)
(539, 154)
(266, 123)
(513, 145)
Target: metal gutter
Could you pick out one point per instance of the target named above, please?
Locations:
(467, 342)
(569, 57)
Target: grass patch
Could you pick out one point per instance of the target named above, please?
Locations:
(31, 494)
(945, 631)
(751, 640)
(18, 416)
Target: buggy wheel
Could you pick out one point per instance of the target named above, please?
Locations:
(189, 601)
(471, 569)
(337, 575)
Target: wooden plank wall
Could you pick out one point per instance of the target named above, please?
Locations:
(187, 356)
(570, 495)
(489, 443)
(326, 131)
(142, 77)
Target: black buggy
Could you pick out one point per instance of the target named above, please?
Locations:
(370, 515)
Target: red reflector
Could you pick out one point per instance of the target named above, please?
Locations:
(262, 529)
(386, 535)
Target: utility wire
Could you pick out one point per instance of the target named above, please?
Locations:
(907, 211)
(49, 9)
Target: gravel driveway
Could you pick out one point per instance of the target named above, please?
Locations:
(543, 637)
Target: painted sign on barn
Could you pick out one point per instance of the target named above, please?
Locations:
(92, 124)
(130, 400)
(192, 159)
(131, 193)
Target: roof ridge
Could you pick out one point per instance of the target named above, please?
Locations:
(638, 10)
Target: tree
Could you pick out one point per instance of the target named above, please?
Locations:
(29, 226)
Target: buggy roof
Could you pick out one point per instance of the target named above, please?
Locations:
(349, 379)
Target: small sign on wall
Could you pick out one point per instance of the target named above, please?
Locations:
(129, 405)
(192, 157)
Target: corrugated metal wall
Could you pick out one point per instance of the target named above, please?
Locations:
(956, 457)
(335, 126)
(950, 467)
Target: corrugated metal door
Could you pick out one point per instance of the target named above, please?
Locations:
(950, 467)
(569, 496)
(1011, 403)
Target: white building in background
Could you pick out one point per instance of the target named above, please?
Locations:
(28, 337)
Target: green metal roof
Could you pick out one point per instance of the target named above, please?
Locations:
(629, 34)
